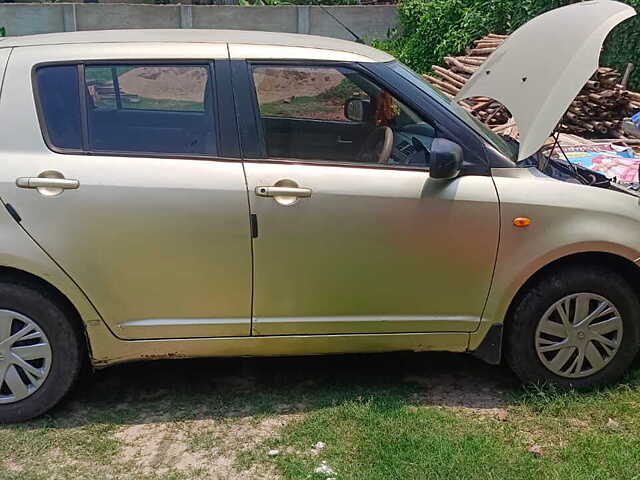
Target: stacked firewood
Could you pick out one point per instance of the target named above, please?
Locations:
(450, 80)
(600, 107)
(597, 111)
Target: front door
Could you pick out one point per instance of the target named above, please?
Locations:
(355, 237)
(143, 212)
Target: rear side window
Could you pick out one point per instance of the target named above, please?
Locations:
(142, 108)
(150, 108)
(60, 105)
(165, 88)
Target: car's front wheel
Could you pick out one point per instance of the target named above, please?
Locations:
(575, 327)
(40, 352)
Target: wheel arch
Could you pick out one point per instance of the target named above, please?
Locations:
(628, 269)
(27, 279)
(488, 343)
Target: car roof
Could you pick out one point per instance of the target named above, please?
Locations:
(239, 37)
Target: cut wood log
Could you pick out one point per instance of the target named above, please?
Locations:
(482, 105)
(443, 85)
(458, 66)
(452, 77)
(475, 61)
(497, 41)
(488, 44)
(634, 96)
(475, 52)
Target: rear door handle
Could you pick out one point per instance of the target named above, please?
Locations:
(298, 192)
(43, 182)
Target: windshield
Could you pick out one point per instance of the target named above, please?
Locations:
(476, 125)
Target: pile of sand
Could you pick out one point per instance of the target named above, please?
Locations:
(166, 83)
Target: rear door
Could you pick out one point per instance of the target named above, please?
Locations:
(134, 189)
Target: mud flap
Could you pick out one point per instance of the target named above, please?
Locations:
(490, 350)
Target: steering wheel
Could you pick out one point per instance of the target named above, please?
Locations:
(377, 146)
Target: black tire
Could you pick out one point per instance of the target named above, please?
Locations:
(67, 348)
(530, 307)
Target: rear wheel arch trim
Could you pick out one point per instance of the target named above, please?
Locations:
(18, 276)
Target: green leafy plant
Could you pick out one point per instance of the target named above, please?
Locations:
(263, 3)
(3, 31)
(431, 29)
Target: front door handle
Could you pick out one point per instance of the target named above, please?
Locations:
(43, 182)
(49, 183)
(298, 192)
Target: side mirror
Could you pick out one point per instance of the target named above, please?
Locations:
(445, 159)
(356, 109)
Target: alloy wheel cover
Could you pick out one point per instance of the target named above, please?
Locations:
(579, 335)
(25, 357)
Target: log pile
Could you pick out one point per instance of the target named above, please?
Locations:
(597, 111)
(600, 107)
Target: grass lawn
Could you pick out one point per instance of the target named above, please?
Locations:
(400, 416)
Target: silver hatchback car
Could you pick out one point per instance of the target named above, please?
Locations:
(171, 194)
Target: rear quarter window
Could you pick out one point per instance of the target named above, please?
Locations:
(59, 101)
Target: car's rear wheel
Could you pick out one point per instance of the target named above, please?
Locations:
(40, 352)
(575, 327)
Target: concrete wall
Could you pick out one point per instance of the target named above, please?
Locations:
(367, 21)
(31, 18)
(271, 19)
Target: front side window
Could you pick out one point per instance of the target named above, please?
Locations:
(336, 114)
(308, 93)
(130, 108)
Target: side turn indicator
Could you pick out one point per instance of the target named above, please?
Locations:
(522, 222)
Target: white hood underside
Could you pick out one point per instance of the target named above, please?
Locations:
(538, 71)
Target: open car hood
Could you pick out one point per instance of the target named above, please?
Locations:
(538, 71)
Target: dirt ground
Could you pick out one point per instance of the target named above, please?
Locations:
(274, 84)
(442, 414)
(200, 417)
